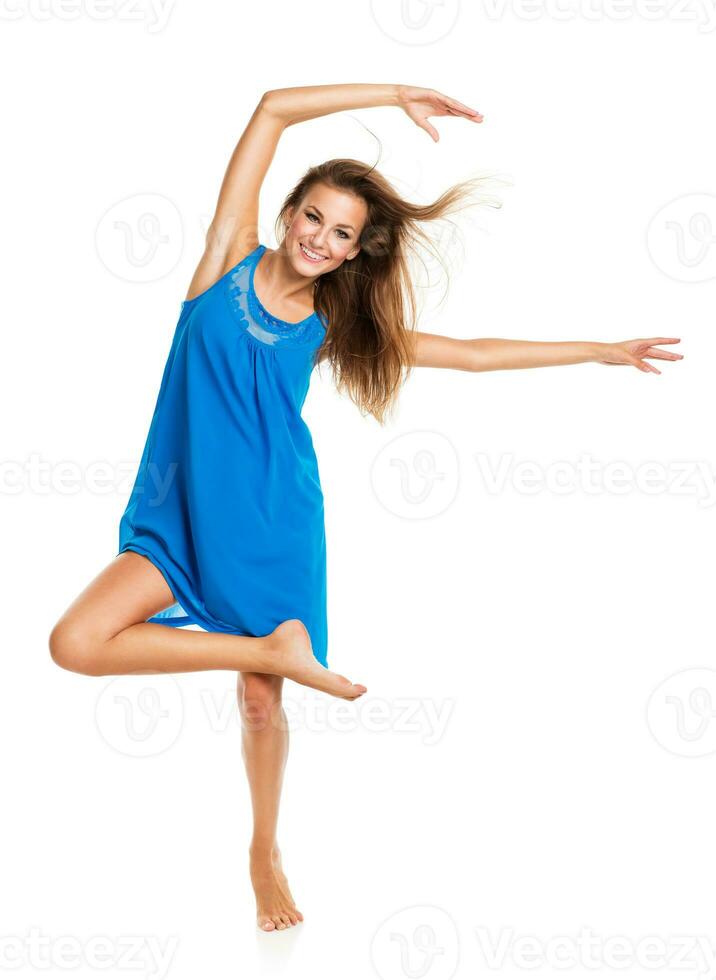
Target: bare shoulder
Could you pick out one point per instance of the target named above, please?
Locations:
(215, 263)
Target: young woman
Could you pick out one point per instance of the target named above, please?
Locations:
(224, 527)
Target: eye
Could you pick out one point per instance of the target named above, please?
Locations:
(310, 214)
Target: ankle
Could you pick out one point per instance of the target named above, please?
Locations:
(263, 649)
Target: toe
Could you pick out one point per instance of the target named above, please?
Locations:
(355, 691)
(347, 689)
(267, 925)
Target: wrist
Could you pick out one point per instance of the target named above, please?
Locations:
(597, 350)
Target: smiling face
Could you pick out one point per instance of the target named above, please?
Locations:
(324, 230)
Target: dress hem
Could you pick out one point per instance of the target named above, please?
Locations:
(194, 619)
(187, 620)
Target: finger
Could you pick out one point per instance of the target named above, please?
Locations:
(652, 341)
(635, 362)
(665, 355)
(431, 130)
(645, 366)
(458, 108)
(461, 106)
(452, 110)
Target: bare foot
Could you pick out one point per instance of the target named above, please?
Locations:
(290, 654)
(275, 907)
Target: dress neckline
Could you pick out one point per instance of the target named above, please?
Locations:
(265, 313)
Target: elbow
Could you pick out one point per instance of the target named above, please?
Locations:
(269, 104)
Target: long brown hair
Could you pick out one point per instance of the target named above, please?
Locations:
(370, 302)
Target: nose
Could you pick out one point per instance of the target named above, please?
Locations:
(318, 245)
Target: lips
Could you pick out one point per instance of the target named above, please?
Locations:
(310, 255)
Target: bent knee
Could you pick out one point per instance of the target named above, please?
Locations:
(72, 649)
(259, 696)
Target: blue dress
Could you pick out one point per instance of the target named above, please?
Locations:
(227, 501)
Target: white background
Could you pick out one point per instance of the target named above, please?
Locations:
(559, 793)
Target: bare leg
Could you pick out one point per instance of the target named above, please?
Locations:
(264, 736)
(104, 632)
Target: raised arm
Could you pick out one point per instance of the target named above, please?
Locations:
(491, 354)
(233, 231)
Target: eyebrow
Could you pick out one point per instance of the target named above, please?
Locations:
(321, 215)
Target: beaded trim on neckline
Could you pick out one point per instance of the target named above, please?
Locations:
(256, 321)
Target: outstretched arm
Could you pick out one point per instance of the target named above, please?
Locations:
(489, 354)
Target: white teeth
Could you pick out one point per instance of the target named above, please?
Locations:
(309, 253)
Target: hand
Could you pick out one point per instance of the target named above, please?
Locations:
(632, 352)
(419, 103)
